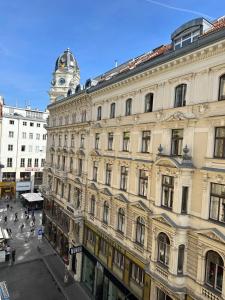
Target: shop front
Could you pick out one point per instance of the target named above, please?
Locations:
(57, 237)
(100, 282)
(7, 190)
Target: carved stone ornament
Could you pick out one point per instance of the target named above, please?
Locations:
(177, 116)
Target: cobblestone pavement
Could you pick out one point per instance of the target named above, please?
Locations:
(35, 274)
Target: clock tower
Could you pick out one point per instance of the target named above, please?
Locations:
(65, 77)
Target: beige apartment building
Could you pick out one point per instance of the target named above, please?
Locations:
(135, 171)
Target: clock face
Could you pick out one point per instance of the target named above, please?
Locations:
(62, 81)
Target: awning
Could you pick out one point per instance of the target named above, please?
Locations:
(4, 234)
(32, 197)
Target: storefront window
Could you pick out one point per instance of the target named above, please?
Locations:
(88, 273)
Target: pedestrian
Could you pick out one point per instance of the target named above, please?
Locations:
(13, 255)
(33, 219)
(7, 206)
(7, 252)
(32, 213)
(11, 208)
(5, 219)
(21, 227)
(16, 217)
(27, 218)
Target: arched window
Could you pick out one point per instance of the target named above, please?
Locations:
(214, 270)
(140, 231)
(69, 92)
(112, 110)
(222, 88)
(163, 249)
(180, 95)
(92, 206)
(106, 213)
(149, 102)
(99, 113)
(121, 220)
(128, 107)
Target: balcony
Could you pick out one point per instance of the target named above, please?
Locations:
(162, 271)
(209, 295)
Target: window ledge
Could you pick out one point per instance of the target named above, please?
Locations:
(139, 246)
(210, 293)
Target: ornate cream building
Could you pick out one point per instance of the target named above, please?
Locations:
(136, 172)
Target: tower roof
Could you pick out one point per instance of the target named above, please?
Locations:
(66, 61)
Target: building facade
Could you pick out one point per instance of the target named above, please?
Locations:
(135, 173)
(23, 150)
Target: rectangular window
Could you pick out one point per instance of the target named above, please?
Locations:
(11, 122)
(60, 140)
(123, 181)
(219, 148)
(177, 142)
(62, 190)
(97, 139)
(23, 148)
(71, 164)
(82, 141)
(69, 193)
(72, 140)
(22, 162)
(24, 135)
(24, 123)
(29, 162)
(11, 134)
(118, 259)
(65, 140)
(42, 162)
(31, 124)
(25, 176)
(184, 199)
(103, 247)
(110, 140)
(108, 174)
(95, 171)
(112, 110)
(137, 274)
(149, 102)
(90, 236)
(38, 125)
(167, 191)
(37, 136)
(162, 296)
(146, 136)
(9, 176)
(126, 141)
(63, 162)
(180, 264)
(80, 166)
(37, 149)
(180, 95)
(31, 136)
(58, 162)
(143, 183)
(9, 162)
(10, 147)
(99, 113)
(44, 137)
(217, 202)
(36, 162)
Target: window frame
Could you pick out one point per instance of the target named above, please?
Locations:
(120, 220)
(170, 187)
(128, 107)
(220, 96)
(177, 142)
(112, 110)
(149, 102)
(140, 231)
(165, 253)
(180, 102)
(124, 178)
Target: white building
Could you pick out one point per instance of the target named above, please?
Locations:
(23, 147)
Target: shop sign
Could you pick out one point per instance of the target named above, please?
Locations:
(74, 250)
(32, 169)
(23, 186)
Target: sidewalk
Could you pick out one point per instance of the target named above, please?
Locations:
(71, 290)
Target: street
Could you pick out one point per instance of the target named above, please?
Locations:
(35, 274)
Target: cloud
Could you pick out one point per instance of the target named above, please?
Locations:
(180, 9)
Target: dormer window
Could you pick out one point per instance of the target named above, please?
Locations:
(186, 39)
(189, 32)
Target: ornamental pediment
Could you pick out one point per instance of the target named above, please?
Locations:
(140, 205)
(212, 234)
(106, 192)
(121, 198)
(93, 186)
(80, 152)
(166, 161)
(94, 153)
(163, 218)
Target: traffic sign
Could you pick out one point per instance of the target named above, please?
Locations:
(74, 250)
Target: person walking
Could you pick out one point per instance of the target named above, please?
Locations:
(5, 219)
(13, 255)
(7, 252)
(16, 217)
(21, 227)
(33, 219)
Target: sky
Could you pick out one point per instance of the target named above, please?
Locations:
(34, 33)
